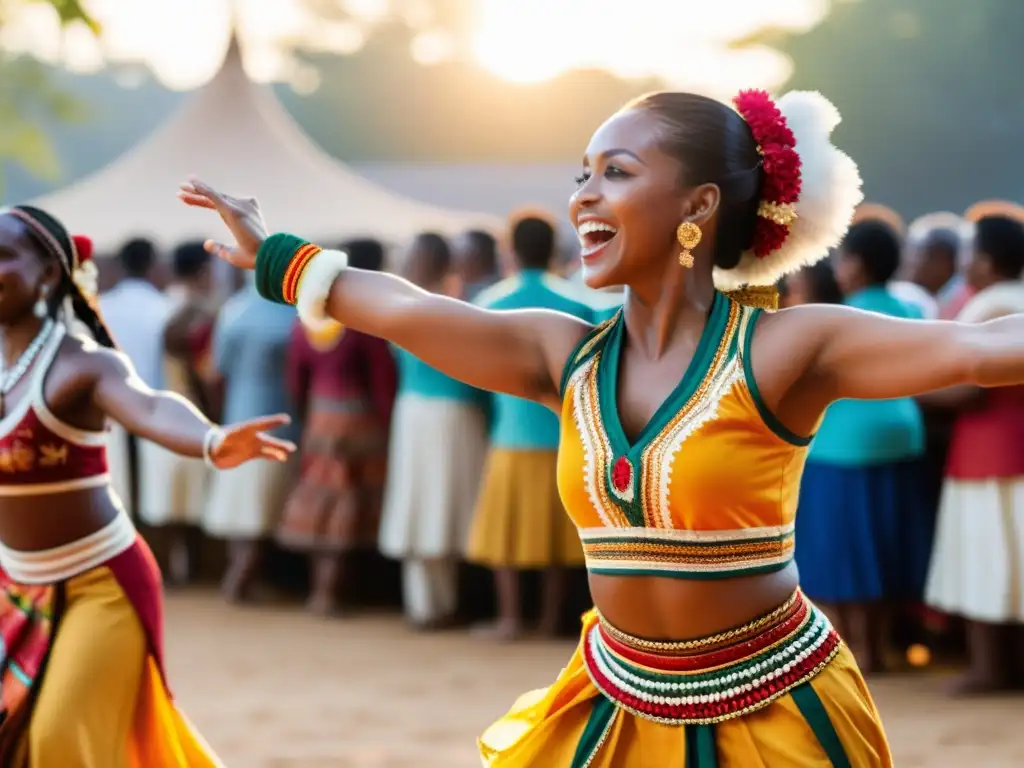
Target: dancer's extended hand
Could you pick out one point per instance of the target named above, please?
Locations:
(242, 216)
(249, 440)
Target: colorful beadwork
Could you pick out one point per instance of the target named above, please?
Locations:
(293, 274)
(711, 684)
(687, 554)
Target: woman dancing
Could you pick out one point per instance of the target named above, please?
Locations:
(81, 617)
(685, 423)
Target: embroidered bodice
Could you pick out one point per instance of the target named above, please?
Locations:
(39, 453)
(707, 490)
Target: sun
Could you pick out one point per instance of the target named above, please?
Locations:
(523, 41)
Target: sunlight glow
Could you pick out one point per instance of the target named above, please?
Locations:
(687, 43)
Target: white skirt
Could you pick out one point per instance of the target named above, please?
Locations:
(435, 462)
(977, 566)
(246, 502)
(173, 488)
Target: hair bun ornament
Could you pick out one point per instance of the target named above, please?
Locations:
(809, 192)
(83, 248)
(85, 274)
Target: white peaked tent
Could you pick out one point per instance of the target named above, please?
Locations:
(235, 135)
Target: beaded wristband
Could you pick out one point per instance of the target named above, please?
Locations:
(212, 439)
(280, 263)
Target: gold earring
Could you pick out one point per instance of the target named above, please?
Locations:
(688, 234)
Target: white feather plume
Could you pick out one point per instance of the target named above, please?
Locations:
(830, 192)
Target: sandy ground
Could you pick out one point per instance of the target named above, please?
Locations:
(273, 688)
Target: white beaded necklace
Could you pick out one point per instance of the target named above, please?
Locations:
(9, 378)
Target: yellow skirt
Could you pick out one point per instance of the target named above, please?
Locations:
(83, 684)
(781, 691)
(519, 520)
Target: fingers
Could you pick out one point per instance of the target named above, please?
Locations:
(218, 249)
(200, 187)
(277, 443)
(195, 200)
(273, 454)
(229, 254)
(265, 423)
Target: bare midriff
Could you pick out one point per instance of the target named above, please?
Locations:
(44, 521)
(659, 608)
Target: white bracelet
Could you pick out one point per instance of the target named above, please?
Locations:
(213, 438)
(314, 288)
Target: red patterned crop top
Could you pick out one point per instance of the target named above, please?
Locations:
(39, 453)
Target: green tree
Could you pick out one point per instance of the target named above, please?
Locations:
(27, 96)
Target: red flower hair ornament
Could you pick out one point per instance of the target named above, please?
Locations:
(84, 272)
(809, 189)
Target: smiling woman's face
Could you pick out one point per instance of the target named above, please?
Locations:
(629, 201)
(21, 270)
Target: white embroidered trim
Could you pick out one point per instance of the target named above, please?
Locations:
(591, 476)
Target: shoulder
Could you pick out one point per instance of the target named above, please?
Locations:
(591, 341)
(87, 358)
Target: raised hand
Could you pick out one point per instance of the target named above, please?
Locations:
(249, 440)
(242, 216)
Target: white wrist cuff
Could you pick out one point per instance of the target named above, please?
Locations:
(213, 438)
(314, 288)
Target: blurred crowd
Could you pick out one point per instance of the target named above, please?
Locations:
(910, 532)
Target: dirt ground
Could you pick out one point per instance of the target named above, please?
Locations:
(274, 688)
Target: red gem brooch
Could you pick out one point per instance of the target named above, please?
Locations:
(622, 479)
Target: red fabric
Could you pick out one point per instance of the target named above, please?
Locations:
(27, 619)
(138, 575)
(29, 616)
(701, 662)
(986, 442)
(31, 454)
(356, 367)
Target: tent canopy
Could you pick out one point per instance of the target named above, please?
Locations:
(235, 135)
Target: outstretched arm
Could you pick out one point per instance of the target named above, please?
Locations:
(173, 422)
(520, 352)
(869, 356)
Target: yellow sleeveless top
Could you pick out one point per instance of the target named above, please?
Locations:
(709, 488)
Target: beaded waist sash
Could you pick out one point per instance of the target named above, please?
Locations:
(716, 678)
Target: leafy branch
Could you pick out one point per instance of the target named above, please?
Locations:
(29, 99)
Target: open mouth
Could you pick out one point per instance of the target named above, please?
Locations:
(594, 236)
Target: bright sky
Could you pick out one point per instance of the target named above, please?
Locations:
(684, 41)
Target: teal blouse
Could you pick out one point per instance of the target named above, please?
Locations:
(417, 378)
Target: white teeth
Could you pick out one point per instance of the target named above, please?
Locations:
(595, 226)
(587, 227)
